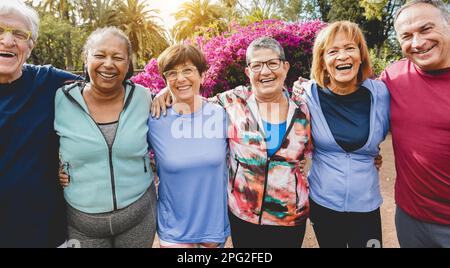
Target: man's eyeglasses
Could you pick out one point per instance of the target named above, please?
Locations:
(172, 75)
(21, 35)
(272, 64)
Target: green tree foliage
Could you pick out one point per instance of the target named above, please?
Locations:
(98, 13)
(345, 10)
(288, 10)
(375, 17)
(52, 43)
(230, 10)
(193, 16)
(140, 24)
(65, 11)
(66, 24)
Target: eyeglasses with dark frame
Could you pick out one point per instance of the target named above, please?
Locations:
(187, 71)
(272, 64)
(19, 34)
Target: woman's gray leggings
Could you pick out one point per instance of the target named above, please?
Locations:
(130, 227)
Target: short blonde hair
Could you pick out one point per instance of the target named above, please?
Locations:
(326, 37)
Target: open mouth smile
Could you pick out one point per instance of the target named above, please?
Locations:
(421, 52)
(107, 76)
(267, 80)
(343, 67)
(7, 54)
(183, 88)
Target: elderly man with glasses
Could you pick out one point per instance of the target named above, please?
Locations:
(31, 202)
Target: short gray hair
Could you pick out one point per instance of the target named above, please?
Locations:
(439, 4)
(27, 13)
(105, 31)
(264, 42)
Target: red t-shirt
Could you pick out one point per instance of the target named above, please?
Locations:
(420, 126)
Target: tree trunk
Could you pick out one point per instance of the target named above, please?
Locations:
(325, 8)
(68, 48)
(68, 52)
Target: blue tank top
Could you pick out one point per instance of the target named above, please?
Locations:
(274, 136)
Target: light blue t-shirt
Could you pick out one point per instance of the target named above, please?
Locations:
(274, 136)
(190, 152)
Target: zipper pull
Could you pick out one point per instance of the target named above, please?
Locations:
(145, 166)
(67, 164)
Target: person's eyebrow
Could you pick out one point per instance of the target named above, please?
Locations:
(426, 25)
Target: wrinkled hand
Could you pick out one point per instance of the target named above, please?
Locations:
(302, 167)
(298, 88)
(378, 161)
(64, 179)
(161, 102)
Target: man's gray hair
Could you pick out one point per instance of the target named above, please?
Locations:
(26, 13)
(439, 4)
(264, 42)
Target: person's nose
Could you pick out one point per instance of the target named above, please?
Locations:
(7, 39)
(342, 55)
(180, 76)
(265, 69)
(109, 62)
(417, 41)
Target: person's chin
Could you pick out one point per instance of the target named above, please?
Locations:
(10, 72)
(6, 71)
(428, 64)
(271, 89)
(185, 96)
(9, 66)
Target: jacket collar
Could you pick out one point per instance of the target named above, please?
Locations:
(308, 88)
(74, 91)
(247, 95)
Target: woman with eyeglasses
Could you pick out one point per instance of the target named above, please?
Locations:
(269, 136)
(190, 149)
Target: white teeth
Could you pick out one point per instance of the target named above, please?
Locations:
(183, 88)
(7, 54)
(344, 66)
(425, 51)
(267, 80)
(107, 75)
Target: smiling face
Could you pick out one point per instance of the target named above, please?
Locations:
(107, 62)
(187, 82)
(267, 83)
(424, 36)
(13, 52)
(342, 59)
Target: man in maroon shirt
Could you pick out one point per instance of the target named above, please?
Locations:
(420, 124)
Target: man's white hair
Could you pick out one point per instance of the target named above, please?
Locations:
(26, 13)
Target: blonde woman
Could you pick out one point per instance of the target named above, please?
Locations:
(349, 120)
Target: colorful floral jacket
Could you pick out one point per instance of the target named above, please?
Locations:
(261, 189)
